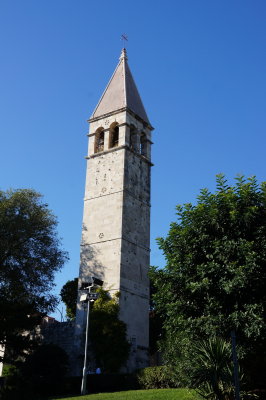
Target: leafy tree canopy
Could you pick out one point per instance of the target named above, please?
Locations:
(30, 254)
(68, 295)
(215, 277)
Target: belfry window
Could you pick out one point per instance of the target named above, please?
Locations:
(99, 141)
(114, 136)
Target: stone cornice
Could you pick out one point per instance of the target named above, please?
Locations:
(101, 153)
(107, 129)
(117, 238)
(118, 112)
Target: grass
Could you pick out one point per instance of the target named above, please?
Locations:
(153, 394)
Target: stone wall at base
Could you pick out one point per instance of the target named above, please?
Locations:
(62, 335)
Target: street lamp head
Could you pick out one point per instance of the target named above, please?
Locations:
(92, 281)
(83, 297)
(97, 281)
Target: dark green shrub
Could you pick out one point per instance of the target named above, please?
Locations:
(46, 369)
(41, 375)
(157, 378)
(212, 369)
(8, 370)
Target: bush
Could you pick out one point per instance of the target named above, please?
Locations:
(8, 370)
(157, 378)
(42, 374)
(212, 369)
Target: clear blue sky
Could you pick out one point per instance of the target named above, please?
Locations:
(200, 69)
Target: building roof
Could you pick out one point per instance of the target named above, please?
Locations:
(121, 92)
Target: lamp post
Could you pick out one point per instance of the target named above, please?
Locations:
(87, 297)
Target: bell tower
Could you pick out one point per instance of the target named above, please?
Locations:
(115, 245)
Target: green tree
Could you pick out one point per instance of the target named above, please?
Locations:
(215, 277)
(30, 254)
(108, 333)
(69, 293)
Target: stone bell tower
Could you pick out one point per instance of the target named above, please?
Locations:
(115, 244)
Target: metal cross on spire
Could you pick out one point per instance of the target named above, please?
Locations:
(124, 39)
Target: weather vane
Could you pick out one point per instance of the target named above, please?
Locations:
(124, 39)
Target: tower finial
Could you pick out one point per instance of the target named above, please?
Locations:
(123, 54)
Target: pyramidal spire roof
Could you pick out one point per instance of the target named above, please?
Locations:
(121, 92)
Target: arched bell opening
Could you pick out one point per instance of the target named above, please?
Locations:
(99, 140)
(114, 136)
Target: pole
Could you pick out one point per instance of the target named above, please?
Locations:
(236, 378)
(84, 375)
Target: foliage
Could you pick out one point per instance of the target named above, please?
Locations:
(42, 374)
(215, 277)
(108, 333)
(155, 331)
(156, 394)
(30, 255)
(68, 295)
(161, 377)
(8, 369)
(176, 354)
(155, 323)
(46, 368)
(213, 369)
